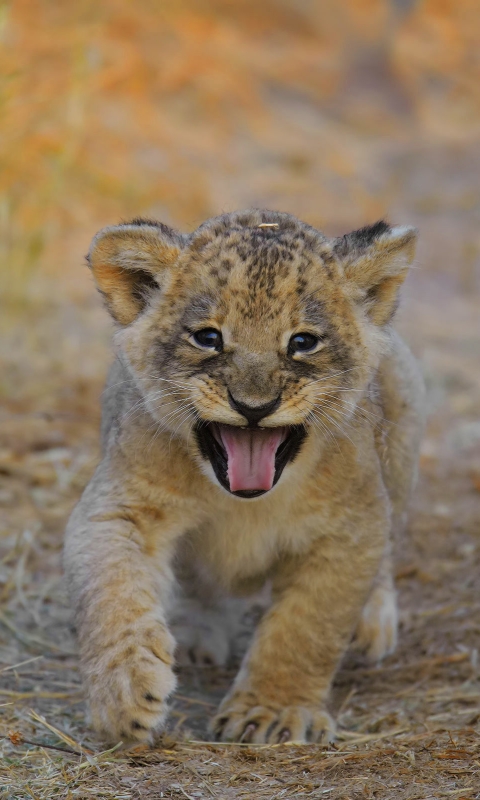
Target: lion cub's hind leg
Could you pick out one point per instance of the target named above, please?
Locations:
(204, 635)
(377, 632)
(211, 629)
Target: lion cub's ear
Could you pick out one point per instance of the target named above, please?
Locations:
(127, 262)
(376, 258)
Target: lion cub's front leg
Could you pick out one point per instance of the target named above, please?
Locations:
(282, 689)
(119, 585)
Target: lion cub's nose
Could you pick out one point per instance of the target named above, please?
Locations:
(253, 414)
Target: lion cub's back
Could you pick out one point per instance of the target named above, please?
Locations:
(118, 385)
(402, 402)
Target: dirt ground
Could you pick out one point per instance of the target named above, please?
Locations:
(339, 136)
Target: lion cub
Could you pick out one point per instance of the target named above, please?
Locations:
(261, 425)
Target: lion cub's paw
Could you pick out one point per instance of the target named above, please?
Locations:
(202, 640)
(243, 720)
(376, 635)
(128, 687)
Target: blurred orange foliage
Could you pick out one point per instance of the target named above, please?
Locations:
(183, 109)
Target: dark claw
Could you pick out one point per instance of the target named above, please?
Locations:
(248, 732)
(284, 736)
(150, 698)
(219, 728)
(320, 736)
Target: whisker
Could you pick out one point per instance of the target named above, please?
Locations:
(319, 422)
(114, 385)
(333, 375)
(184, 419)
(392, 445)
(334, 422)
(197, 419)
(174, 383)
(142, 401)
(370, 416)
(180, 407)
(173, 414)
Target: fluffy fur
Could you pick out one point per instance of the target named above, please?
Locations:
(155, 537)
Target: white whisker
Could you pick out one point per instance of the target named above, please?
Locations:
(184, 419)
(319, 422)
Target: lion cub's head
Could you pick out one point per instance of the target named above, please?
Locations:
(252, 333)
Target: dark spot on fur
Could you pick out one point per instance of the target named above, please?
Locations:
(301, 285)
(314, 311)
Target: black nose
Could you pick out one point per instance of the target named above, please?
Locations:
(253, 414)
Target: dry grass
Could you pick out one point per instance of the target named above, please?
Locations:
(116, 109)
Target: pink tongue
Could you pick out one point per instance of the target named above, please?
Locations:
(251, 456)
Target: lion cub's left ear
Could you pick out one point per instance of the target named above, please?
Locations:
(376, 258)
(128, 263)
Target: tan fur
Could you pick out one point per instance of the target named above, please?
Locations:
(155, 537)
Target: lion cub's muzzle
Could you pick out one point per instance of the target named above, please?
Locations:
(248, 461)
(253, 414)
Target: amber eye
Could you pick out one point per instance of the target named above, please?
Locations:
(208, 338)
(302, 343)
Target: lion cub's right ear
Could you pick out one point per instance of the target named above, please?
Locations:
(127, 262)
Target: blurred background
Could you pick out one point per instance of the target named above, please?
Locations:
(338, 111)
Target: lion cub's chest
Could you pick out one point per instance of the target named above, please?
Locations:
(242, 542)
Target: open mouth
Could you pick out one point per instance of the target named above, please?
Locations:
(249, 461)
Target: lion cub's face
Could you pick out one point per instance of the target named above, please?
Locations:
(252, 333)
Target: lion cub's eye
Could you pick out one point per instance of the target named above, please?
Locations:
(303, 343)
(208, 338)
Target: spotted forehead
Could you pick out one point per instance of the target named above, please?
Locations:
(261, 263)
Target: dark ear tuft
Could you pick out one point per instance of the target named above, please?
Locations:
(361, 239)
(142, 221)
(151, 223)
(376, 258)
(128, 263)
